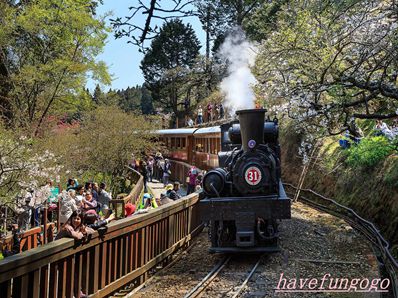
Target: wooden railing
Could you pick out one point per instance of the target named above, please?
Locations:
(179, 171)
(30, 239)
(119, 204)
(125, 254)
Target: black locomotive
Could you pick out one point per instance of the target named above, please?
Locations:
(244, 198)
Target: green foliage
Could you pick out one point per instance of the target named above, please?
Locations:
(48, 48)
(390, 176)
(146, 101)
(369, 152)
(263, 20)
(168, 61)
(130, 99)
(102, 146)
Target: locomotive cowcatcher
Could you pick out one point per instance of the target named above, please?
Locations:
(244, 198)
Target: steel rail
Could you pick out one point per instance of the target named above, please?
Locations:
(206, 281)
(368, 229)
(243, 285)
(208, 278)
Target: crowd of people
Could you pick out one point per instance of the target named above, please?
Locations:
(84, 208)
(203, 113)
(172, 192)
(353, 135)
(212, 112)
(159, 168)
(390, 133)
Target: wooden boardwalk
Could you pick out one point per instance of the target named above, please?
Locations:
(156, 188)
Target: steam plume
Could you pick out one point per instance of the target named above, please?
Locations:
(240, 55)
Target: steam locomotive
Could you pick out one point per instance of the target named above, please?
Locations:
(243, 199)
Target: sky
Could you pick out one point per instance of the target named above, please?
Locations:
(123, 59)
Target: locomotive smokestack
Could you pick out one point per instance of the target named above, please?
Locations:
(251, 127)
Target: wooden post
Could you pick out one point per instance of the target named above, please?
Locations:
(45, 224)
(5, 218)
(304, 173)
(58, 215)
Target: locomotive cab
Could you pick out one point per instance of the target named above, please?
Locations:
(244, 198)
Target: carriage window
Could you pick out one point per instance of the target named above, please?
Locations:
(178, 143)
(173, 143)
(201, 145)
(183, 145)
(213, 146)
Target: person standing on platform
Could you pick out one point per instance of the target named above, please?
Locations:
(192, 175)
(166, 172)
(200, 115)
(144, 173)
(209, 112)
(104, 199)
(150, 165)
(158, 172)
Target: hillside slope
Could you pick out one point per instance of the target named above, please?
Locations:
(371, 191)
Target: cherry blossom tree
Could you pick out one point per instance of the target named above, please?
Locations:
(22, 168)
(330, 61)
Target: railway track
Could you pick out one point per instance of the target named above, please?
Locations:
(231, 288)
(310, 247)
(388, 265)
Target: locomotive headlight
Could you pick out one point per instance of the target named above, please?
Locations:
(214, 181)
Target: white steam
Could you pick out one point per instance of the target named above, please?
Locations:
(237, 87)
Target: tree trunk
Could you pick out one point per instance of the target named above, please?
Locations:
(207, 36)
(5, 88)
(239, 12)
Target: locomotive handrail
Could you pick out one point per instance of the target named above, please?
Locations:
(130, 247)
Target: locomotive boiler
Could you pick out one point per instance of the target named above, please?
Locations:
(244, 198)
